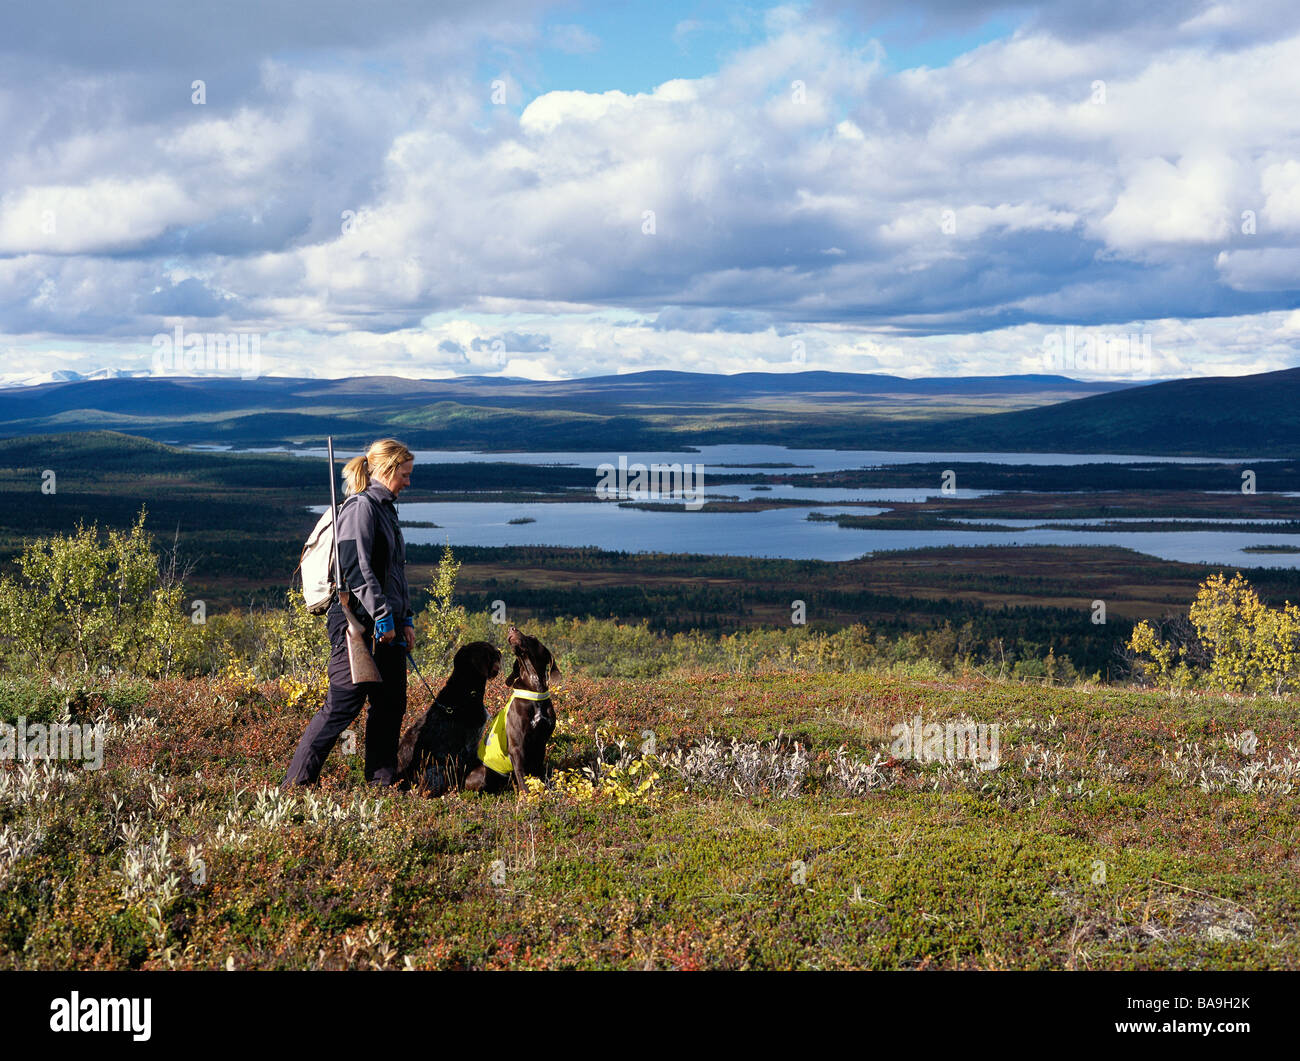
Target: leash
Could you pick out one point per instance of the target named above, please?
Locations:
(416, 667)
(523, 694)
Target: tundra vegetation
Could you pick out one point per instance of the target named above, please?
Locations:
(711, 801)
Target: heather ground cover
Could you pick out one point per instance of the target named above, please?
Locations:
(699, 819)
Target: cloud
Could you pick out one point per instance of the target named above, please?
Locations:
(684, 28)
(513, 342)
(574, 39)
(547, 112)
(677, 318)
(1265, 269)
(1171, 23)
(364, 187)
(584, 346)
(188, 298)
(107, 214)
(1163, 203)
(129, 36)
(1280, 183)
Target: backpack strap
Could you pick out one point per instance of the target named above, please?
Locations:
(334, 540)
(333, 531)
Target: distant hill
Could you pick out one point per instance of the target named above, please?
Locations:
(209, 394)
(639, 409)
(1218, 416)
(1256, 415)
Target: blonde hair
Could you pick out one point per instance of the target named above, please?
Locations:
(382, 458)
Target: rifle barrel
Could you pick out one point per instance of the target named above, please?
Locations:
(334, 515)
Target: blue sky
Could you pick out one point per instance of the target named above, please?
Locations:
(635, 47)
(936, 188)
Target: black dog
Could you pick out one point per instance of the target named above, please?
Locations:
(515, 745)
(442, 747)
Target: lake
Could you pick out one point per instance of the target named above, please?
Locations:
(786, 532)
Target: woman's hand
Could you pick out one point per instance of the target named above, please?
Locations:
(410, 638)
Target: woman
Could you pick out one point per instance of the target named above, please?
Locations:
(373, 557)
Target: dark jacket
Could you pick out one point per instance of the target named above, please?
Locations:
(372, 554)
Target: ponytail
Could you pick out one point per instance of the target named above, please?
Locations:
(356, 475)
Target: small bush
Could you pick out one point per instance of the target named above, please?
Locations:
(1240, 644)
(95, 605)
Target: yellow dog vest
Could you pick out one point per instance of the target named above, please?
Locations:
(493, 749)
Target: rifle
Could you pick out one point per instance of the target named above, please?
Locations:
(361, 662)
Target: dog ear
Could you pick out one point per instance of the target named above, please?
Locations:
(555, 670)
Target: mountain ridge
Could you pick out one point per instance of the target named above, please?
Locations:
(1256, 415)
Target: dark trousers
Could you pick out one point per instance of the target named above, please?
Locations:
(343, 703)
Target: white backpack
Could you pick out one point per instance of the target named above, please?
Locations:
(317, 564)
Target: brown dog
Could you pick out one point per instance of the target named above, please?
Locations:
(515, 746)
(441, 748)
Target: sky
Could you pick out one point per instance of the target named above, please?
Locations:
(552, 190)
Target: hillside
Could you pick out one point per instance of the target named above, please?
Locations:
(1219, 416)
(645, 409)
(776, 832)
(206, 394)
(1242, 416)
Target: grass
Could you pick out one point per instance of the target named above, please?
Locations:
(1121, 830)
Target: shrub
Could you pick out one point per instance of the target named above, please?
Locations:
(1252, 646)
(95, 603)
(442, 624)
(1240, 643)
(287, 642)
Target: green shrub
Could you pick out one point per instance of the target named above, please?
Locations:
(94, 604)
(285, 642)
(39, 698)
(442, 625)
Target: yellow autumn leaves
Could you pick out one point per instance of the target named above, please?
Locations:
(1241, 644)
(630, 782)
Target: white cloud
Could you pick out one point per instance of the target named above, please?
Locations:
(1186, 203)
(1266, 269)
(546, 112)
(1280, 183)
(101, 215)
(775, 211)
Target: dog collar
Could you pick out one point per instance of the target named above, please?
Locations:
(527, 694)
